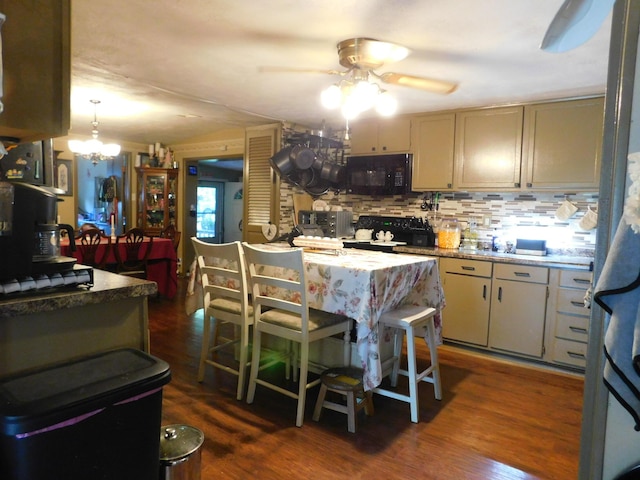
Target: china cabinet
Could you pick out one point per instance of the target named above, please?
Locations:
(157, 199)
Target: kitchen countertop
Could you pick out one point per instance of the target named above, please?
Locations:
(554, 261)
(107, 287)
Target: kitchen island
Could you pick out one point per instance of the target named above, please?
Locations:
(49, 326)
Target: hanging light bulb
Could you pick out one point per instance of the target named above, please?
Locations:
(356, 95)
(94, 149)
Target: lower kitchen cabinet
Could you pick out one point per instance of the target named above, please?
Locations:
(467, 290)
(568, 319)
(518, 307)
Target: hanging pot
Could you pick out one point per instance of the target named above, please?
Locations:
(320, 188)
(281, 161)
(325, 171)
(302, 157)
(317, 162)
(303, 178)
(337, 174)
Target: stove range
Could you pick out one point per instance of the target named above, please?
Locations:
(406, 231)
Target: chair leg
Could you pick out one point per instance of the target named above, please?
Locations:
(351, 411)
(243, 357)
(321, 396)
(255, 365)
(412, 375)
(204, 352)
(398, 338)
(435, 364)
(302, 385)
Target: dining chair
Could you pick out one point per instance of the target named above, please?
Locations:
(407, 320)
(281, 309)
(173, 234)
(226, 300)
(131, 257)
(88, 244)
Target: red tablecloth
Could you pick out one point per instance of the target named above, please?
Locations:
(162, 267)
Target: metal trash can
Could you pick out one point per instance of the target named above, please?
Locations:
(180, 453)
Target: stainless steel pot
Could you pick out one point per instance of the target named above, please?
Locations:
(180, 452)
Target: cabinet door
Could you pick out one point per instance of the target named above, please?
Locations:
(489, 148)
(433, 147)
(155, 201)
(518, 317)
(364, 136)
(466, 316)
(36, 53)
(563, 144)
(394, 135)
(388, 135)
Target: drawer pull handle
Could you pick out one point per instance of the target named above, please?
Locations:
(581, 280)
(575, 303)
(578, 329)
(472, 269)
(499, 294)
(576, 355)
(484, 292)
(521, 274)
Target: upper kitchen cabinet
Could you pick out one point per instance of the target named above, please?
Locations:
(433, 139)
(36, 69)
(380, 135)
(563, 144)
(488, 148)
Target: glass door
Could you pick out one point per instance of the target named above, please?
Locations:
(209, 212)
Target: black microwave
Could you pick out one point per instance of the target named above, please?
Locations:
(379, 174)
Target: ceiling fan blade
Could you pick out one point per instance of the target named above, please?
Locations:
(274, 69)
(575, 23)
(428, 84)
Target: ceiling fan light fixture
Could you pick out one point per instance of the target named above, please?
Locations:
(331, 97)
(386, 105)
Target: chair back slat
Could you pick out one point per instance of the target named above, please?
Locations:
(135, 258)
(88, 243)
(278, 281)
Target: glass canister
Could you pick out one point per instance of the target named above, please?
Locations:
(449, 233)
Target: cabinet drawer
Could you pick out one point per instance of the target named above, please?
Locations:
(570, 353)
(522, 273)
(570, 300)
(575, 279)
(572, 327)
(476, 268)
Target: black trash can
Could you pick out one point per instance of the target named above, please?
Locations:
(94, 418)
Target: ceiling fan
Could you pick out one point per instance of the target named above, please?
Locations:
(362, 56)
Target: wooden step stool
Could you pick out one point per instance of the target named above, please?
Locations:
(346, 381)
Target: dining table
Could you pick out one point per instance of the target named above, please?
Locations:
(364, 284)
(161, 266)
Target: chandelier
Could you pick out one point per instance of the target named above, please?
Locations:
(357, 94)
(94, 149)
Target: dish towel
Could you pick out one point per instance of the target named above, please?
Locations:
(618, 293)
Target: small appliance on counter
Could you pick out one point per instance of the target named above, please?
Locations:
(29, 234)
(333, 224)
(531, 247)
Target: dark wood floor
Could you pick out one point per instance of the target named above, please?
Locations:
(495, 421)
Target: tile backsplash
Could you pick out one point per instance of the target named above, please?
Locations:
(511, 215)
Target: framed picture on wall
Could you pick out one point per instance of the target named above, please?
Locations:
(63, 176)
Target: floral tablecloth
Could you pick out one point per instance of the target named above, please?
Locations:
(363, 285)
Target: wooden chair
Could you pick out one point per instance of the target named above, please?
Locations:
(173, 234)
(88, 243)
(133, 261)
(408, 319)
(226, 300)
(280, 306)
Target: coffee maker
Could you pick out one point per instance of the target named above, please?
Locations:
(29, 234)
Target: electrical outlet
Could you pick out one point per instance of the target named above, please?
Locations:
(486, 220)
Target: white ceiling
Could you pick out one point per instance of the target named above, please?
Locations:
(170, 70)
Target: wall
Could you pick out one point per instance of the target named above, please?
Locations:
(530, 215)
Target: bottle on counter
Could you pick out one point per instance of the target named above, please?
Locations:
(449, 233)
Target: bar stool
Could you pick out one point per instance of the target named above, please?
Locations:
(405, 320)
(346, 381)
